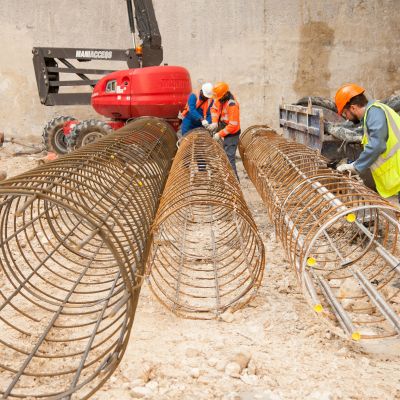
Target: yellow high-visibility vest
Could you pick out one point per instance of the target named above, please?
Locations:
(386, 169)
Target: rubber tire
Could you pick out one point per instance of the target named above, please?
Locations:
(76, 138)
(53, 136)
(318, 101)
(393, 102)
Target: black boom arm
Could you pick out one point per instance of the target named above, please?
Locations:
(52, 63)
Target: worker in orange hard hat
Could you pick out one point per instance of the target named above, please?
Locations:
(225, 116)
(381, 139)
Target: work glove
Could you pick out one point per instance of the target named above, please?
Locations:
(204, 123)
(217, 137)
(347, 167)
(212, 127)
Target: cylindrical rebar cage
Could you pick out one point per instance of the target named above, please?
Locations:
(340, 237)
(207, 255)
(73, 244)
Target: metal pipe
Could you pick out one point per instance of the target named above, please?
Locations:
(340, 313)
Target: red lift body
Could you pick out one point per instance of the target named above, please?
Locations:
(159, 91)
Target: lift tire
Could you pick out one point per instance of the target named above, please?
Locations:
(53, 135)
(87, 132)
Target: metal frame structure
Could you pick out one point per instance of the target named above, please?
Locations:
(313, 127)
(302, 124)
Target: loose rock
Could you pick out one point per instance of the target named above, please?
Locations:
(342, 351)
(252, 367)
(233, 369)
(242, 359)
(190, 352)
(194, 372)
(249, 379)
(320, 396)
(152, 385)
(227, 316)
(232, 396)
(220, 366)
(212, 362)
(349, 288)
(140, 392)
(348, 304)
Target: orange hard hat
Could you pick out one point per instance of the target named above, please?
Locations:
(345, 94)
(220, 89)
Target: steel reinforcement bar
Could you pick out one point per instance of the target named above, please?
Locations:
(74, 238)
(207, 255)
(341, 238)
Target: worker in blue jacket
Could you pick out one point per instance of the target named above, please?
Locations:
(197, 110)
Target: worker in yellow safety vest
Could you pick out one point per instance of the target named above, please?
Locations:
(381, 139)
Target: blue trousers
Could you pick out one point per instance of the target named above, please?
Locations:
(188, 124)
(230, 145)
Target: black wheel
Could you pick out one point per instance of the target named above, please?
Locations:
(393, 102)
(53, 134)
(87, 132)
(318, 101)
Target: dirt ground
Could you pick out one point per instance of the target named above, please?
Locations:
(293, 355)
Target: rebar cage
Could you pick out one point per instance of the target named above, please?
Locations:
(341, 238)
(207, 255)
(74, 237)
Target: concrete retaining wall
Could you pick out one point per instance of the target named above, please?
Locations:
(265, 49)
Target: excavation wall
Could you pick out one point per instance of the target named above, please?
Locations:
(265, 49)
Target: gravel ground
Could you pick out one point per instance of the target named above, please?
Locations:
(275, 348)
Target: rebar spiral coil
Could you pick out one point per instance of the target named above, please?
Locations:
(341, 238)
(74, 237)
(207, 255)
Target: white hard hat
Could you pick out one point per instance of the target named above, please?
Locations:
(207, 89)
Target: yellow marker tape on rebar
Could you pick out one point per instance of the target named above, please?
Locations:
(350, 217)
(311, 261)
(356, 336)
(318, 308)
